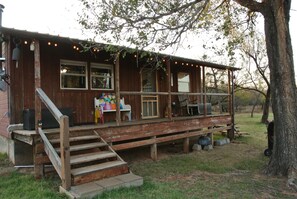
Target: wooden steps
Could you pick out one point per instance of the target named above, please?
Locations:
(85, 146)
(78, 159)
(91, 158)
(92, 168)
(74, 139)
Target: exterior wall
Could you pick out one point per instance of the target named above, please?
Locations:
(4, 114)
(81, 101)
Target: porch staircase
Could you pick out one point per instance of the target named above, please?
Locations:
(95, 166)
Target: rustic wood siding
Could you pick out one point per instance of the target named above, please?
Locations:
(81, 101)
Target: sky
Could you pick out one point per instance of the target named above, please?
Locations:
(59, 17)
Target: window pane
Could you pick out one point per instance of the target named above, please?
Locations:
(72, 69)
(101, 71)
(73, 74)
(101, 76)
(69, 81)
(183, 82)
(101, 82)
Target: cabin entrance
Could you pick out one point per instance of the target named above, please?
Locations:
(149, 103)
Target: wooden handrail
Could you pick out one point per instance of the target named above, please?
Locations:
(62, 165)
(51, 152)
(49, 104)
(172, 93)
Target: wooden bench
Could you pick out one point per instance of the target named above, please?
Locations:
(125, 108)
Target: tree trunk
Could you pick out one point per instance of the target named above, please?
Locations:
(283, 89)
(266, 106)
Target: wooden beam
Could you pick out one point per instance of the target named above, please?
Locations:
(50, 151)
(155, 140)
(204, 91)
(117, 89)
(65, 153)
(168, 72)
(154, 149)
(38, 168)
(186, 144)
(49, 104)
(172, 93)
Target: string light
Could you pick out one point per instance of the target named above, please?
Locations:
(175, 62)
(49, 43)
(56, 44)
(25, 42)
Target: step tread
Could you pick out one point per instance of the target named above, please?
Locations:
(77, 138)
(77, 159)
(85, 146)
(97, 167)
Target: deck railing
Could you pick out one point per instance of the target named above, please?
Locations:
(61, 164)
(224, 99)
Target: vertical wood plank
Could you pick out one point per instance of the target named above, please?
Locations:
(117, 89)
(168, 72)
(204, 91)
(231, 132)
(229, 92)
(38, 168)
(154, 150)
(65, 152)
(186, 144)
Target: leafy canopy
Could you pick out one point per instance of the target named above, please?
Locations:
(159, 24)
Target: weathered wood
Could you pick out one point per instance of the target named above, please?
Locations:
(38, 166)
(117, 89)
(78, 159)
(42, 159)
(50, 151)
(39, 169)
(49, 104)
(65, 152)
(97, 167)
(81, 147)
(172, 93)
(162, 139)
(137, 131)
(186, 144)
(168, 73)
(108, 172)
(75, 139)
(154, 149)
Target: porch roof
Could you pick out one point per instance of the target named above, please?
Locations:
(37, 35)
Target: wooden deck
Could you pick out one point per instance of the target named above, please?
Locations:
(132, 134)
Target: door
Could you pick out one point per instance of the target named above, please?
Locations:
(149, 103)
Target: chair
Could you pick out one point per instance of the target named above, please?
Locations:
(184, 102)
(208, 108)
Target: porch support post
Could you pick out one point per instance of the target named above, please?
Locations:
(65, 152)
(38, 168)
(186, 143)
(231, 104)
(168, 72)
(117, 89)
(229, 92)
(204, 91)
(154, 150)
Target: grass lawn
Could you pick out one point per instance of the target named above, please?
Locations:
(230, 171)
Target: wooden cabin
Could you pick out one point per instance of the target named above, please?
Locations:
(49, 74)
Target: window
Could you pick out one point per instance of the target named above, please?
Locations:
(73, 74)
(102, 76)
(183, 82)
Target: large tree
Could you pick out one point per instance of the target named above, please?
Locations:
(162, 23)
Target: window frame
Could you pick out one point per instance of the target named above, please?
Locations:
(75, 63)
(102, 66)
